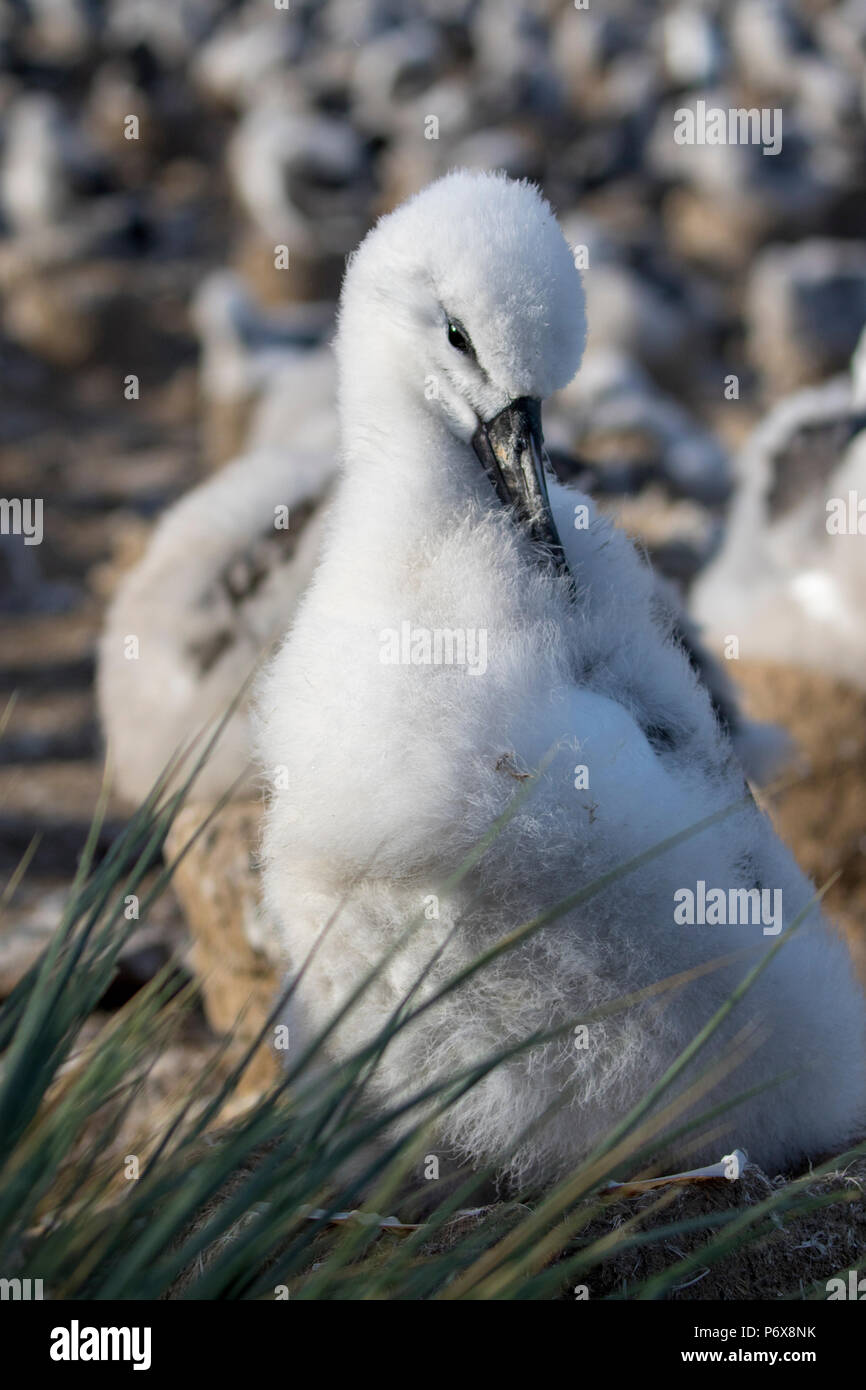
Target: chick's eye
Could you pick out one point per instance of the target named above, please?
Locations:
(458, 339)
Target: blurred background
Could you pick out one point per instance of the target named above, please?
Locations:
(180, 184)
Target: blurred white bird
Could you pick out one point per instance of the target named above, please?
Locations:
(257, 364)
(304, 179)
(215, 587)
(789, 580)
(469, 617)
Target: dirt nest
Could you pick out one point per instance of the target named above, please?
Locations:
(780, 1255)
(794, 1257)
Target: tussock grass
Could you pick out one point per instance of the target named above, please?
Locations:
(247, 1210)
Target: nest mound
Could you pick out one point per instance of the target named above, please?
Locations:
(814, 1231)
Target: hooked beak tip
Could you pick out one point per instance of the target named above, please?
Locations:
(511, 449)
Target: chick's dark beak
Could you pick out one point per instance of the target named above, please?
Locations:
(511, 448)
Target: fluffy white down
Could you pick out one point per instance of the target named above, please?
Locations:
(392, 773)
